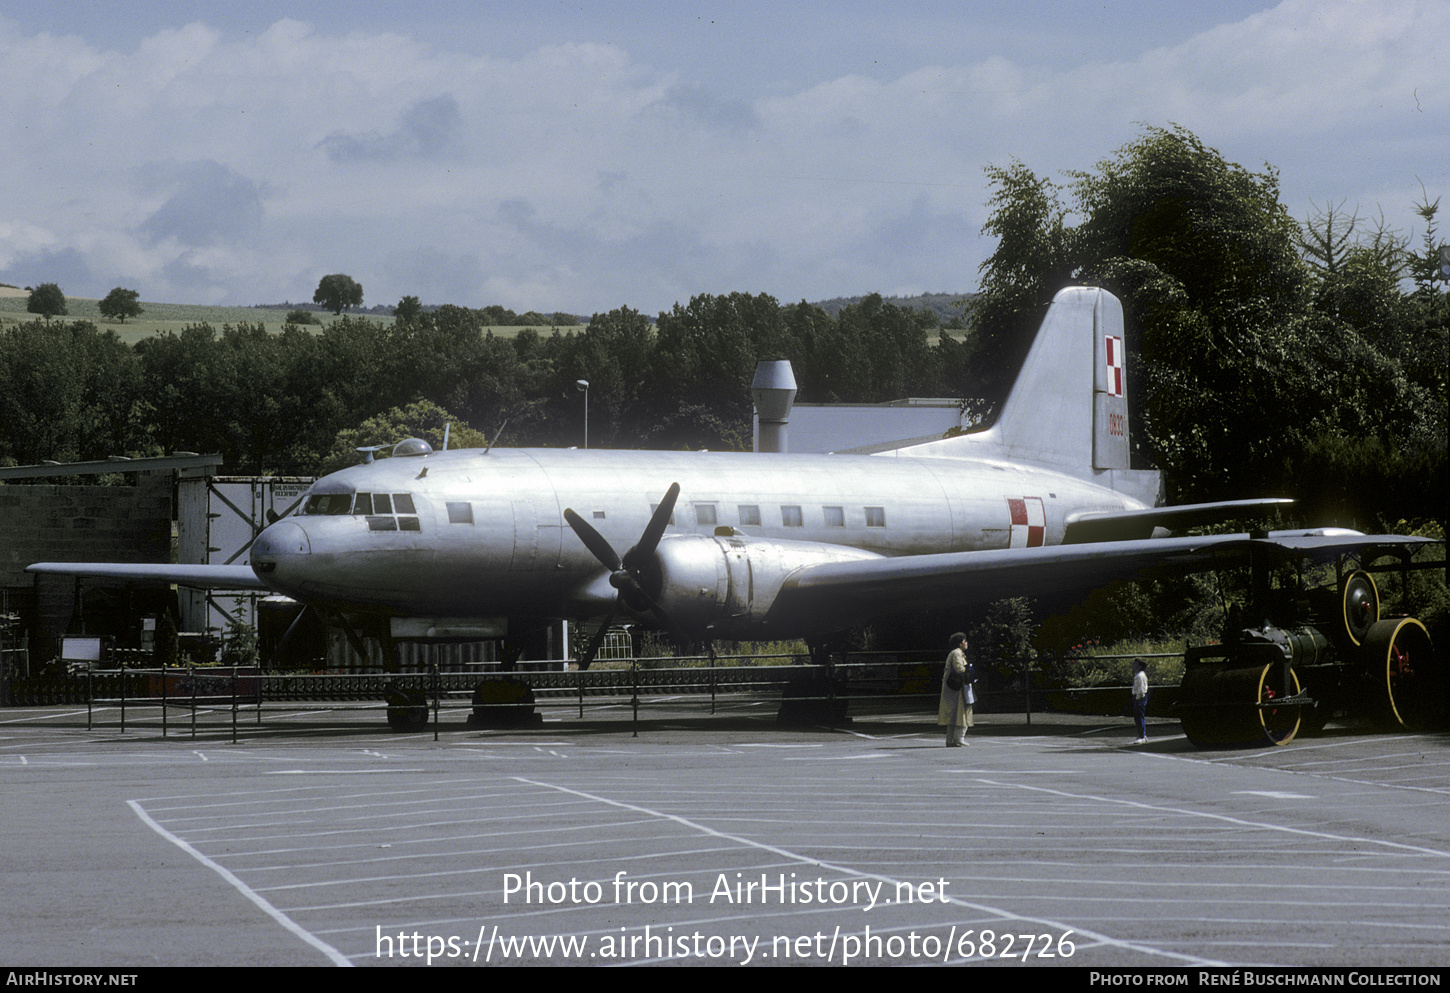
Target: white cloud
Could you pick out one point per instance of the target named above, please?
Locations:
(584, 174)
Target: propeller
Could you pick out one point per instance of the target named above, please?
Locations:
(627, 575)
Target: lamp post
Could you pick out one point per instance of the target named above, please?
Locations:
(583, 384)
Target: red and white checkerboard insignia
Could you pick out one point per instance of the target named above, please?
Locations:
(1029, 522)
(1114, 345)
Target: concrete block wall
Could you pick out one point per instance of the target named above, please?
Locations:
(42, 523)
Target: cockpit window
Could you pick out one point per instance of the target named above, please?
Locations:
(384, 511)
(328, 503)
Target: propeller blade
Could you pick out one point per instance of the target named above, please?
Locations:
(658, 522)
(628, 574)
(587, 659)
(594, 541)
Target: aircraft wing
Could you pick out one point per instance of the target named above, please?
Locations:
(220, 577)
(840, 593)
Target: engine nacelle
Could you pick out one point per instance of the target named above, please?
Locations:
(725, 584)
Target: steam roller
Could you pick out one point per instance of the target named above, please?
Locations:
(1314, 655)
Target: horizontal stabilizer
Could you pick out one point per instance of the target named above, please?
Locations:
(1127, 525)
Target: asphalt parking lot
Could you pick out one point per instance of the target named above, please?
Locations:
(322, 838)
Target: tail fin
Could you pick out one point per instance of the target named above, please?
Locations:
(1068, 409)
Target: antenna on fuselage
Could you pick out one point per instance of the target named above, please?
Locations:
(495, 437)
(445, 435)
(368, 451)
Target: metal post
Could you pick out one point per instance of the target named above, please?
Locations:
(1027, 685)
(710, 647)
(583, 384)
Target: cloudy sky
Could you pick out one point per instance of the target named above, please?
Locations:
(580, 156)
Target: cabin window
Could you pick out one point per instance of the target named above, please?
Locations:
(835, 516)
(460, 513)
(599, 515)
(654, 506)
(403, 503)
(749, 515)
(875, 517)
(705, 514)
(791, 517)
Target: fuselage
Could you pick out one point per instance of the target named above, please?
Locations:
(472, 534)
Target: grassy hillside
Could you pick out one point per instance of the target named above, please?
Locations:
(157, 317)
(160, 317)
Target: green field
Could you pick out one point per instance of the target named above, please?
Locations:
(161, 317)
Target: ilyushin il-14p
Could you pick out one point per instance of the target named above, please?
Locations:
(732, 546)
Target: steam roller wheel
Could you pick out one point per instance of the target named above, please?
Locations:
(1402, 656)
(1223, 706)
(1361, 606)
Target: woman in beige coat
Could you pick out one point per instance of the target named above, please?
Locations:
(955, 709)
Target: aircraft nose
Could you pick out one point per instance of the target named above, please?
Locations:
(282, 540)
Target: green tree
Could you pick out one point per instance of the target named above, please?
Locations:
(120, 304)
(338, 292)
(705, 355)
(69, 391)
(408, 309)
(1032, 261)
(240, 646)
(423, 419)
(1265, 358)
(46, 300)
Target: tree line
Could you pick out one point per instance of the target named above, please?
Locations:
(291, 402)
(1267, 356)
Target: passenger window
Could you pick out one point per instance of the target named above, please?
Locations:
(791, 517)
(835, 517)
(460, 513)
(705, 514)
(749, 515)
(875, 517)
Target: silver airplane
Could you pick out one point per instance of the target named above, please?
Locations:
(740, 546)
(730, 545)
